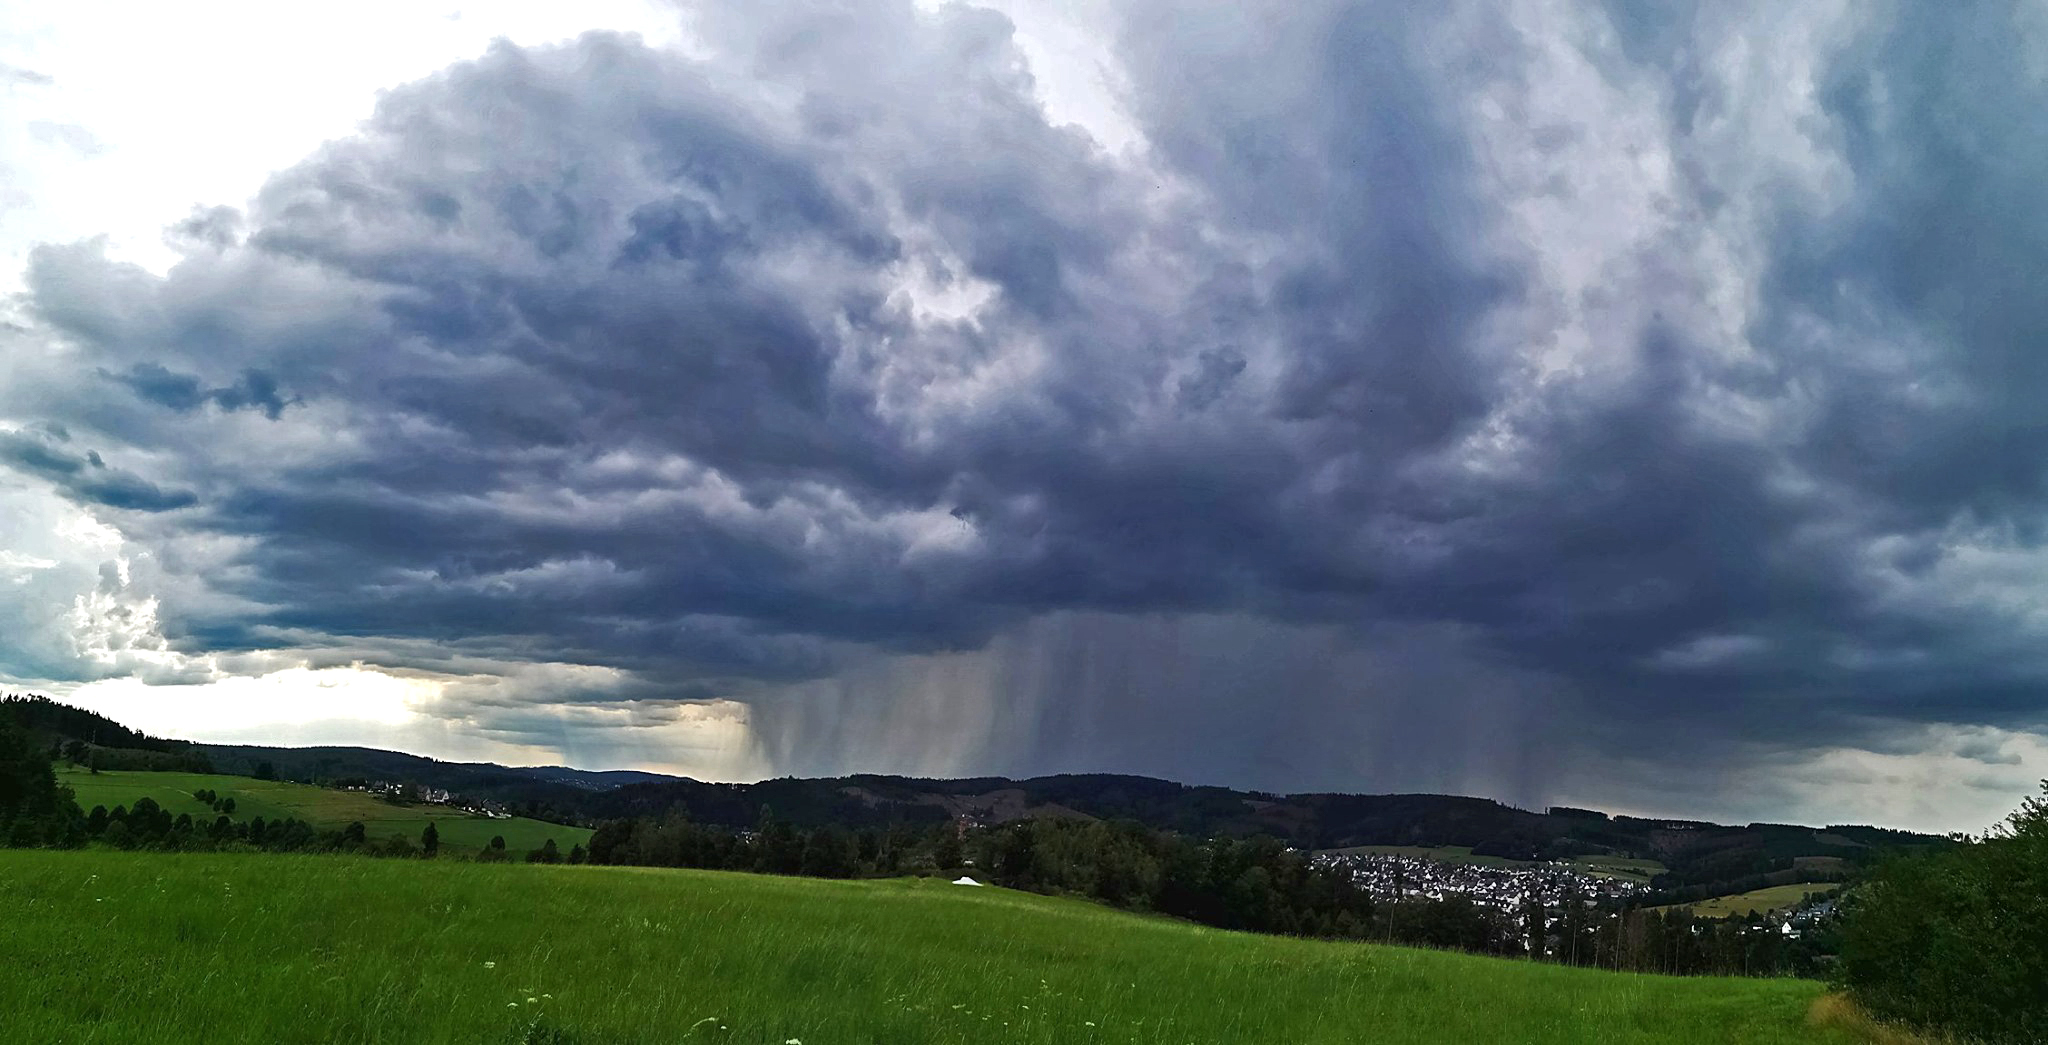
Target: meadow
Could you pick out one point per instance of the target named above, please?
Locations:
(320, 806)
(1756, 901)
(104, 946)
(1638, 871)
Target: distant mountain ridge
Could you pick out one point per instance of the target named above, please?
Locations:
(486, 779)
(1698, 853)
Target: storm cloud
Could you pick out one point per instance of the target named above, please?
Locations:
(1458, 397)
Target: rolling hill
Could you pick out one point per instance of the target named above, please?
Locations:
(1682, 854)
(322, 807)
(1685, 860)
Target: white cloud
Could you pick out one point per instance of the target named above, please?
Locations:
(198, 104)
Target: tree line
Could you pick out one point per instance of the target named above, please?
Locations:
(147, 825)
(1251, 884)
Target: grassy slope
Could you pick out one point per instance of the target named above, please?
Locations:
(102, 946)
(1639, 871)
(319, 806)
(1773, 898)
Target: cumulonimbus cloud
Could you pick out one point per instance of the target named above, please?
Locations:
(1683, 364)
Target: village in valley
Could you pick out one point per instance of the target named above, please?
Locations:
(407, 794)
(1512, 888)
(1393, 876)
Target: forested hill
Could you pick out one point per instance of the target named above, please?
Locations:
(89, 737)
(1697, 853)
(47, 718)
(553, 787)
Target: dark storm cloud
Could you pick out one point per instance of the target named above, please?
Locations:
(85, 476)
(182, 392)
(600, 355)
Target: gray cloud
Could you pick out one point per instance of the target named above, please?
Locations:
(1485, 396)
(85, 477)
(255, 389)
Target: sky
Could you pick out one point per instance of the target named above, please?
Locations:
(1623, 405)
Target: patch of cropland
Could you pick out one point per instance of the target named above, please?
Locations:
(1757, 901)
(322, 807)
(160, 948)
(1624, 868)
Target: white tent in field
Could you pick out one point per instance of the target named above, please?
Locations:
(964, 880)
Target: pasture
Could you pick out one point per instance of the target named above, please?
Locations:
(1634, 870)
(104, 946)
(1756, 901)
(461, 833)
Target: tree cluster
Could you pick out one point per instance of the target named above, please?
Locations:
(213, 798)
(1255, 884)
(776, 847)
(147, 825)
(1956, 941)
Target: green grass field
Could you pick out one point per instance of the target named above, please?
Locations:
(1774, 898)
(104, 946)
(322, 807)
(1640, 871)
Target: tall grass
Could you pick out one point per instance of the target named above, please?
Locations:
(102, 946)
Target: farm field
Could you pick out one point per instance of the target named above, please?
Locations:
(322, 807)
(1773, 898)
(1619, 867)
(105, 946)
